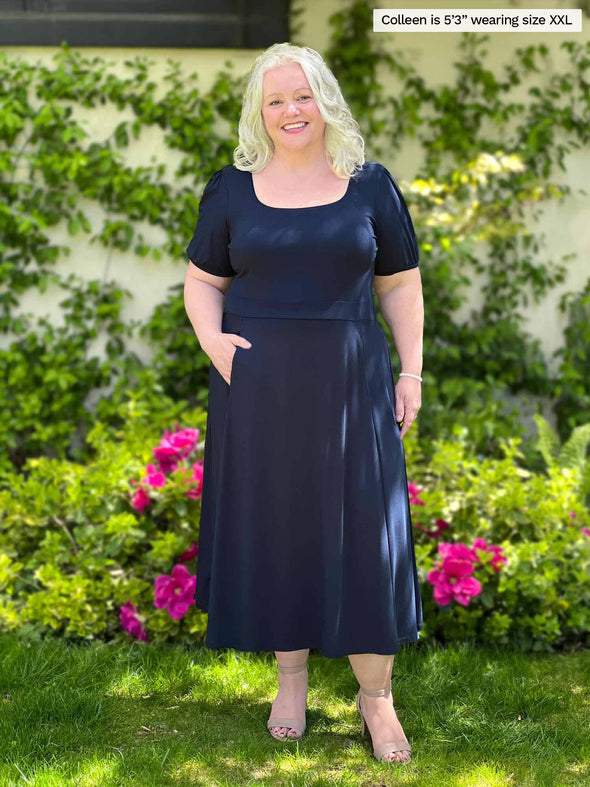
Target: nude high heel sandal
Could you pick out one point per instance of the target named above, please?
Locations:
(298, 724)
(389, 747)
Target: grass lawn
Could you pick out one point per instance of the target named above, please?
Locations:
(145, 715)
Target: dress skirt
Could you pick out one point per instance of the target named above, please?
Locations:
(305, 537)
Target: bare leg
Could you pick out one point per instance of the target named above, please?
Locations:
(291, 699)
(374, 672)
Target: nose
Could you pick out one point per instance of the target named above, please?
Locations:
(292, 108)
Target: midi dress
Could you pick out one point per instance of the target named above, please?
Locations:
(305, 533)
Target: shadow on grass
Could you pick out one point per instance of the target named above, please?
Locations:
(157, 715)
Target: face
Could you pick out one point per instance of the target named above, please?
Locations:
(287, 99)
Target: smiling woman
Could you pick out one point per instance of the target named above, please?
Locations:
(305, 536)
(294, 123)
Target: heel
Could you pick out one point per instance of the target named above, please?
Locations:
(358, 707)
(389, 747)
(298, 724)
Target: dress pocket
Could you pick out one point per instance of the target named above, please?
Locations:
(233, 363)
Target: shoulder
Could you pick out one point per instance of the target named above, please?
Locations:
(215, 191)
(235, 181)
(214, 184)
(371, 171)
(375, 178)
(385, 185)
(231, 174)
(380, 176)
(221, 177)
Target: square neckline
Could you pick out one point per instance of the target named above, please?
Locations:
(306, 207)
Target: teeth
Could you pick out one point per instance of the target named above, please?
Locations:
(295, 125)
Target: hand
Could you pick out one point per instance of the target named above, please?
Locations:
(221, 351)
(408, 400)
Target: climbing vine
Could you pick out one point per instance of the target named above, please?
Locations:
(459, 127)
(489, 160)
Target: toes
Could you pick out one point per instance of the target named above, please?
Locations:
(398, 756)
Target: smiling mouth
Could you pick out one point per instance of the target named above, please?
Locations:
(295, 127)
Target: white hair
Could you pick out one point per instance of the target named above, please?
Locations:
(345, 147)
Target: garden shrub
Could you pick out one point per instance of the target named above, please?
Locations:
(539, 598)
(108, 549)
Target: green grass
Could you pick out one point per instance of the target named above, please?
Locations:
(136, 715)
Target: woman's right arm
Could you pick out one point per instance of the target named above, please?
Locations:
(204, 295)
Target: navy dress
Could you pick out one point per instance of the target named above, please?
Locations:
(305, 537)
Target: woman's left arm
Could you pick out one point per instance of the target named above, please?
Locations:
(402, 306)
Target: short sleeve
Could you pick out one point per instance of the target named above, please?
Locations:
(208, 248)
(397, 247)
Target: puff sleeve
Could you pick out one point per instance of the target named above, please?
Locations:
(208, 248)
(397, 247)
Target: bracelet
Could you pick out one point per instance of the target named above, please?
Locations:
(407, 374)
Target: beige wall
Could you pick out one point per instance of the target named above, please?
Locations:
(566, 226)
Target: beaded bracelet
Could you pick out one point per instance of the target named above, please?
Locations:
(407, 374)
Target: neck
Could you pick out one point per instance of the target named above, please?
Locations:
(292, 162)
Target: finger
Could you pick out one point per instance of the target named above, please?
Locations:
(407, 423)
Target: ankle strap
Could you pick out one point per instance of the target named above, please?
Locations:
(296, 668)
(377, 692)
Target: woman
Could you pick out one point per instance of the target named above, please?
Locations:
(305, 536)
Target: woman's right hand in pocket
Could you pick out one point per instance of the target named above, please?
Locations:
(221, 351)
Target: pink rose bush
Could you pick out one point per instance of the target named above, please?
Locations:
(453, 578)
(131, 622)
(175, 448)
(414, 494)
(173, 592)
(190, 553)
(440, 525)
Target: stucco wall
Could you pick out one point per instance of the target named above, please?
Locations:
(566, 226)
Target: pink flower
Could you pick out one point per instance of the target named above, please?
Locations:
(452, 580)
(140, 500)
(154, 477)
(174, 447)
(586, 530)
(414, 492)
(440, 526)
(457, 551)
(131, 623)
(498, 558)
(497, 552)
(190, 553)
(175, 592)
(197, 476)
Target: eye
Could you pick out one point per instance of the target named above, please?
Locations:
(278, 99)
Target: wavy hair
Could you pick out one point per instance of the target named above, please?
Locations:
(345, 147)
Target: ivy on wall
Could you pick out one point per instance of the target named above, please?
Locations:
(459, 126)
(488, 161)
